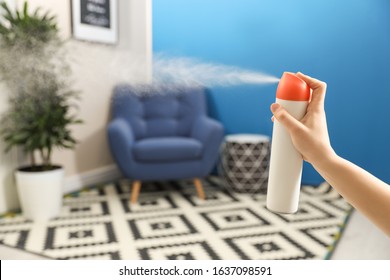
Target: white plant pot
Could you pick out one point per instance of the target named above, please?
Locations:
(40, 193)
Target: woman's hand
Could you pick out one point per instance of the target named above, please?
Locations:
(310, 134)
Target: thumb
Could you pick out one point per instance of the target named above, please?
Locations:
(288, 121)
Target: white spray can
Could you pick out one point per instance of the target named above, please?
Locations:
(286, 162)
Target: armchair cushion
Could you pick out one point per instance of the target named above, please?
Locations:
(167, 149)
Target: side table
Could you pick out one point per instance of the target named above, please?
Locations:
(244, 162)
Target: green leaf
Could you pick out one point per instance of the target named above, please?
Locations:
(43, 139)
(18, 17)
(6, 9)
(25, 9)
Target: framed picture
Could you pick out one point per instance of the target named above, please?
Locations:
(95, 20)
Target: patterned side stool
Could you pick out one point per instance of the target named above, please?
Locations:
(244, 162)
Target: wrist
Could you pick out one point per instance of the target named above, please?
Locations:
(327, 159)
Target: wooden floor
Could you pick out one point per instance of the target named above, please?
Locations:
(361, 241)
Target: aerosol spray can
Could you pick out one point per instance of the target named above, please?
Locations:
(285, 169)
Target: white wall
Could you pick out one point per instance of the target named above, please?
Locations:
(8, 195)
(96, 69)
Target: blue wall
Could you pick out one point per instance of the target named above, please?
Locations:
(345, 43)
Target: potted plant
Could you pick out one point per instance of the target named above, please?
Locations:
(34, 67)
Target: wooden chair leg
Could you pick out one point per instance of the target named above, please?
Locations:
(135, 188)
(199, 189)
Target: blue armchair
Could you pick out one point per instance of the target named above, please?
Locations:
(163, 134)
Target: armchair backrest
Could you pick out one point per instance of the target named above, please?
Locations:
(159, 111)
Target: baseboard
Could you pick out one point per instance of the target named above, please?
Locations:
(96, 176)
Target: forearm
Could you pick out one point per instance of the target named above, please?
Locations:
(362, 190)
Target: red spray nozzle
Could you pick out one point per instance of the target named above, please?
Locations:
(292, 88)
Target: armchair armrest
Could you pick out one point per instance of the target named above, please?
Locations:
(205, 129)
(210, 133)
(121, 139)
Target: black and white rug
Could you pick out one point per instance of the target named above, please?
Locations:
(170, 222)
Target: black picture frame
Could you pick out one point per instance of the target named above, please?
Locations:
(95, 20)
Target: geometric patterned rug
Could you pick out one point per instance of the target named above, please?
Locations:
(170, 222)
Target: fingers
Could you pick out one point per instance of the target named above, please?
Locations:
(314, 84)
(319, 90)
(288, 121)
